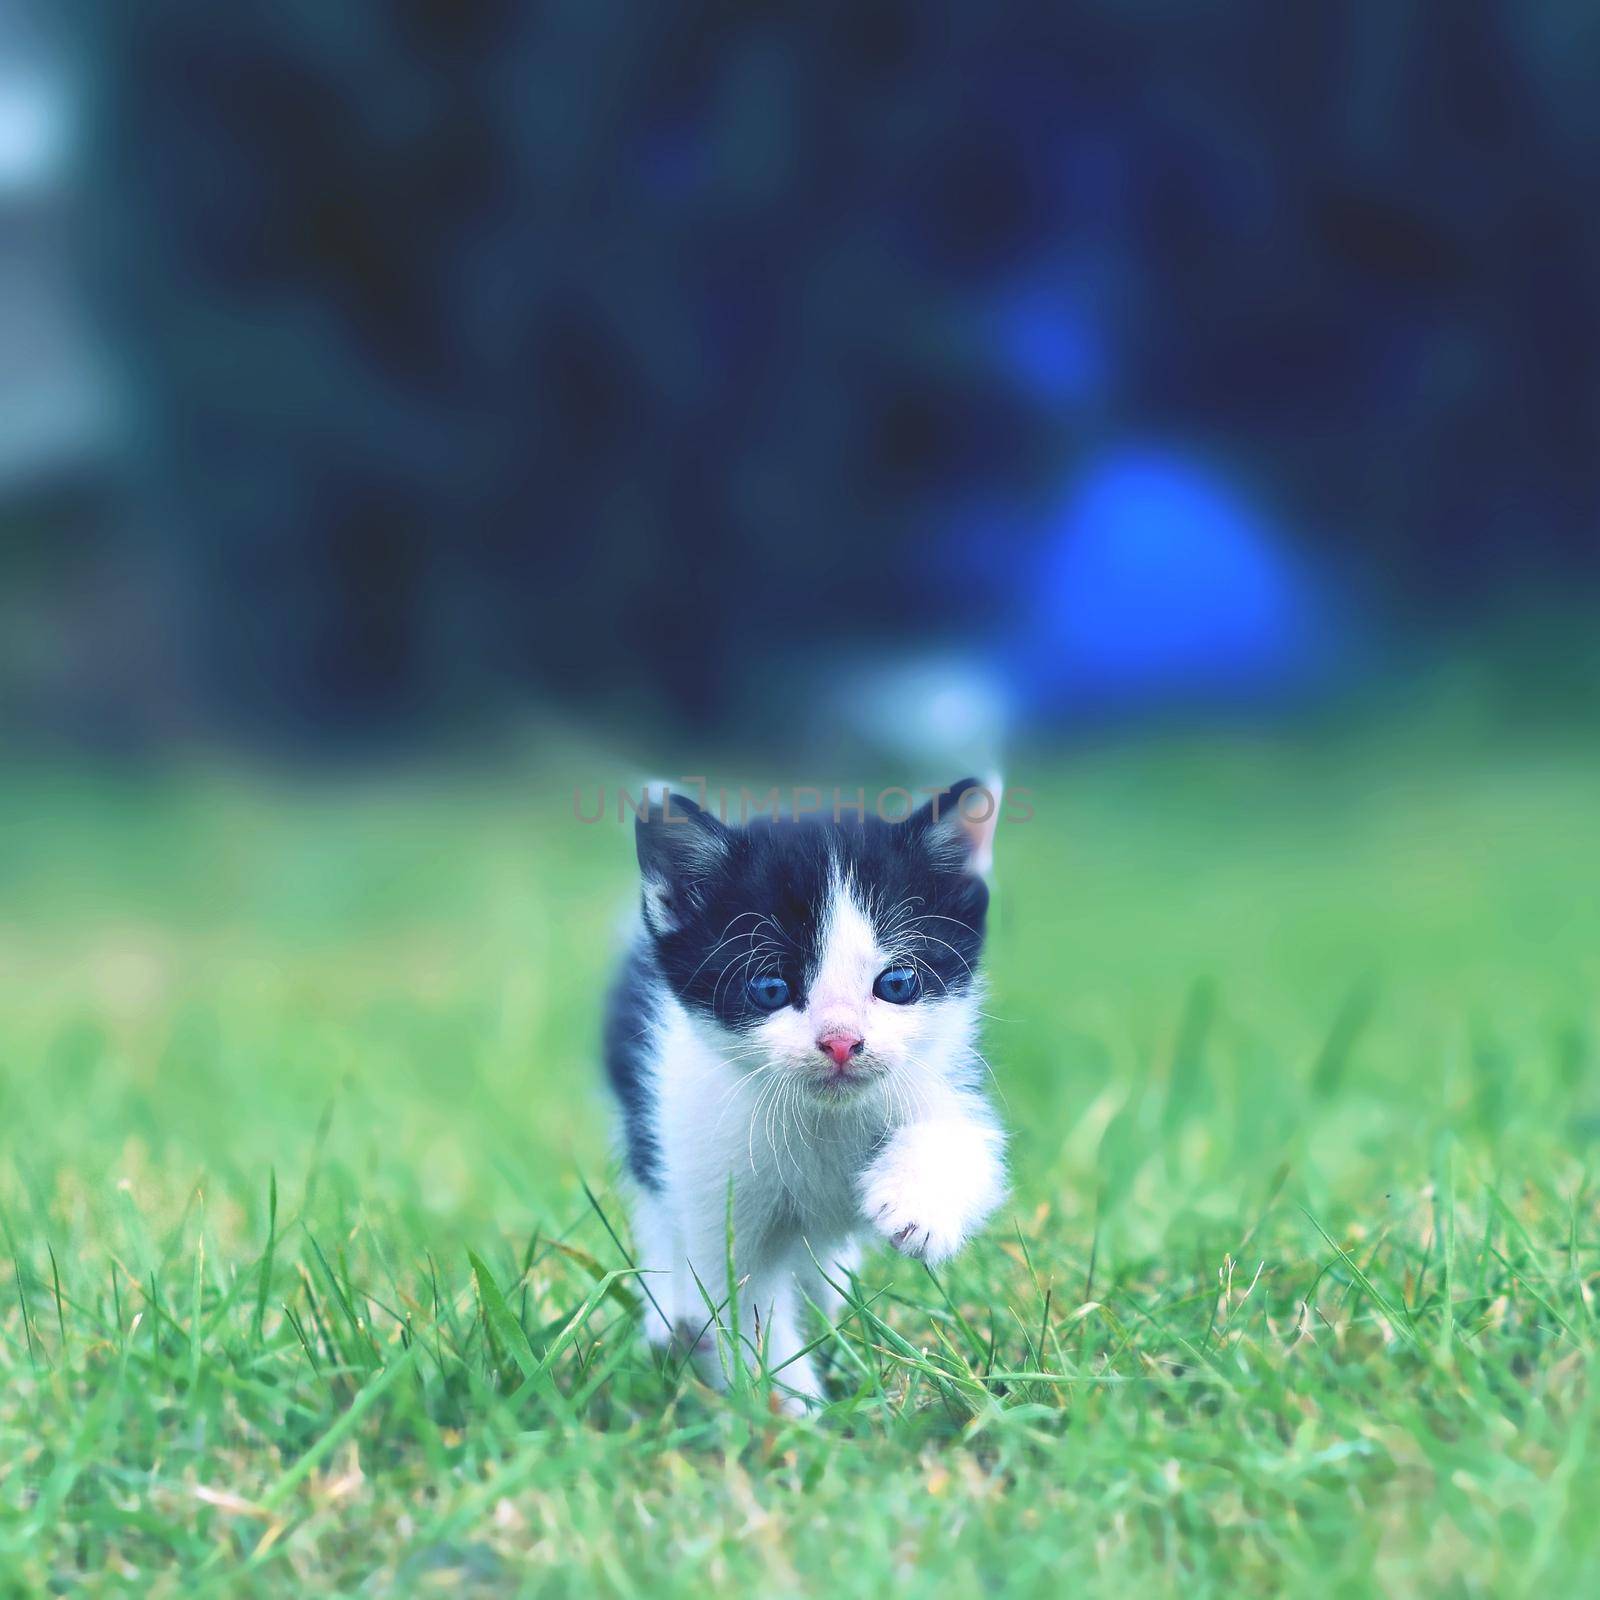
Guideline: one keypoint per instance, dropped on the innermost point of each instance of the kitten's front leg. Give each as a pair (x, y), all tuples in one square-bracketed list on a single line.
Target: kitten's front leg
[(769, 1331), (935, 1182), (656, 1244)]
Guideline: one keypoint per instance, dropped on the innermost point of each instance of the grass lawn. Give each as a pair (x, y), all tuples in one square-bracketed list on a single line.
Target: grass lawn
[(302, 1293)]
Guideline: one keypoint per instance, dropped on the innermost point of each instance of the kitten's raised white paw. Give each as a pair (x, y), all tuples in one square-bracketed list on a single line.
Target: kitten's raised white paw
[(933, 1184), (912, 1221)]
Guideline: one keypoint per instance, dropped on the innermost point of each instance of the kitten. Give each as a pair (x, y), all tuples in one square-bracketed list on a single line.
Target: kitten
[(798, 1015)]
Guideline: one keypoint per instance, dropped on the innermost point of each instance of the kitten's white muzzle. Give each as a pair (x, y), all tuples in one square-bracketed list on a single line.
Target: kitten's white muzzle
[(828, 1079)]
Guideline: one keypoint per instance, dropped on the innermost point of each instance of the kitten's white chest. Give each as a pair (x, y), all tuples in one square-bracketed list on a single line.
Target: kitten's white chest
[(794, 1165)]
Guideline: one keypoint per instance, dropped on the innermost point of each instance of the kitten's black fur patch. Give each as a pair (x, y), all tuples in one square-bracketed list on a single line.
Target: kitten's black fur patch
[(629, 1019), (723, 904)]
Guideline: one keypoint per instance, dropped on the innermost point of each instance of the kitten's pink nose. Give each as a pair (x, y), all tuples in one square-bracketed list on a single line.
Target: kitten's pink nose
[(840, 1045)]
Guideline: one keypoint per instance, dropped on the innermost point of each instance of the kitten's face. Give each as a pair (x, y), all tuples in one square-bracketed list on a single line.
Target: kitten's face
[(843, 953)]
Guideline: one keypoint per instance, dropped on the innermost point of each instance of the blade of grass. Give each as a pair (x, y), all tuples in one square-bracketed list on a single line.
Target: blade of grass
[(1398, 1320), (264, 1276)]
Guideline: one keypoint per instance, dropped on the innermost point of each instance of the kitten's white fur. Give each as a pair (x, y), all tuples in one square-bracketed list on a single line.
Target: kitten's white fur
[(913, 1152)]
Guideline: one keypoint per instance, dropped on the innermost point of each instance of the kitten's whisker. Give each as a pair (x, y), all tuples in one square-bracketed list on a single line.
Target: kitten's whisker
[(743, 968), (929, 938), (934, 916), (722, 941), (793, 1105)]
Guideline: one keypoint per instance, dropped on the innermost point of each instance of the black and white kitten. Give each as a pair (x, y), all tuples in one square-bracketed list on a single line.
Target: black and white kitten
[(798, 1015)]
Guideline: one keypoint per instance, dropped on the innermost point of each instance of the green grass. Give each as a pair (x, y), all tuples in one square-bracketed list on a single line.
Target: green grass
[(1296, 1289)]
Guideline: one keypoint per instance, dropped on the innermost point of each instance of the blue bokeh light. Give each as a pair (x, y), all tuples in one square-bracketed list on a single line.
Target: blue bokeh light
[(1161, 581)]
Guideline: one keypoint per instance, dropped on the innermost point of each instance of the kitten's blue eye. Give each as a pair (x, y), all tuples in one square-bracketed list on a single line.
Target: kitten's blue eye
[(899, 986), (768, 992)]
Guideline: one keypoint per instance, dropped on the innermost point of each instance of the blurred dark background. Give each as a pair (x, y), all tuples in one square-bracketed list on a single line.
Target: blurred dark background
[(371, 371)]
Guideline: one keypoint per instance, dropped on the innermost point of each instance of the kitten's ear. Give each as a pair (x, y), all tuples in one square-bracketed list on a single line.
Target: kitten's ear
[(959, 824), (679, 847)]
